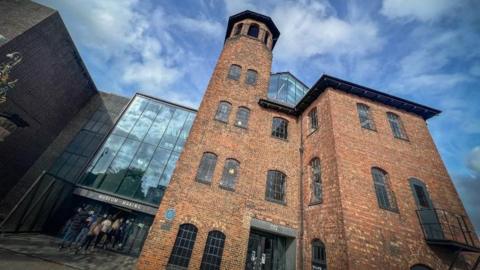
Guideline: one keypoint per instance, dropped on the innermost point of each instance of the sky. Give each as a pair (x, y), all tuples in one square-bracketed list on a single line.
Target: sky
[(426, 51)]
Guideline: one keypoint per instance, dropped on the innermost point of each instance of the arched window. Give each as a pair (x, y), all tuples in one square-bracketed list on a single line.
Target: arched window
[(234, 72), (223, 111), (253, 30), (319, 258), (207, 167), (385, 196), (182, 249), (397, 126), (265, 38), (420, 194), (276, 181), (243, 114), (230, 174), (420, 267), (238, 29), (212, 255), (366, 120), (316, 180), (313, 119), (280, 128), (251, 78)]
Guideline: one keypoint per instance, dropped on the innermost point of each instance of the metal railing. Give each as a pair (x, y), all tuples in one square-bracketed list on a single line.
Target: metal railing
[(441, 226)]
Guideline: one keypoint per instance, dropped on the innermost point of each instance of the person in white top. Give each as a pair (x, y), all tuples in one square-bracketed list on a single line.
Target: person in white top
[(106, 226)]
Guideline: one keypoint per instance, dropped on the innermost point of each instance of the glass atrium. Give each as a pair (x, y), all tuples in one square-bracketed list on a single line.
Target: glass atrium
[(285, 88), (138, 158)]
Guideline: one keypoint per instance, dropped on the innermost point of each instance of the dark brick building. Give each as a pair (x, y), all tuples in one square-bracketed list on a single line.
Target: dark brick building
[(342, 177)]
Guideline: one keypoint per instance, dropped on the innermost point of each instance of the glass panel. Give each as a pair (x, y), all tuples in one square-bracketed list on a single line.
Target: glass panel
[(137, 169), (119, 166), (182, 249), (158, 128), (173, 130), (185, 131)]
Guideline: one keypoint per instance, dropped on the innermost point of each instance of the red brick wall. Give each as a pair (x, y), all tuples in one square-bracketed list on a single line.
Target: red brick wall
[(211, 207), (375, 237), (356, 232)]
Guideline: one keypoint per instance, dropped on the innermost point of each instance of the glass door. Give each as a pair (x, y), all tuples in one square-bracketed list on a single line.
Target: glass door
[(265, 252), (426, 212)]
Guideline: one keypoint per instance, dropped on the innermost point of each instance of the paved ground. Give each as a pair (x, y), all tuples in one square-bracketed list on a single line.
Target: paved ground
[(36, 251)]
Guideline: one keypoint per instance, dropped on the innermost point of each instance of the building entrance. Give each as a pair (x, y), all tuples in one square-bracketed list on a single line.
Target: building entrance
[(265, 251), (132, 231)]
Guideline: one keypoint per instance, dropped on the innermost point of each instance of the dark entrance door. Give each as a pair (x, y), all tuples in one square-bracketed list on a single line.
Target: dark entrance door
[(426, 212), (265, 252)]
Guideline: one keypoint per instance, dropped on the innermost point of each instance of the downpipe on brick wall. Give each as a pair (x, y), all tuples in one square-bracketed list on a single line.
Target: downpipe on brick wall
[(300, 243)]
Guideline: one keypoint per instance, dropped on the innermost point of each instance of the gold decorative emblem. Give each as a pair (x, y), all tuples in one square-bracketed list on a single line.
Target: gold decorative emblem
[(5, 68)]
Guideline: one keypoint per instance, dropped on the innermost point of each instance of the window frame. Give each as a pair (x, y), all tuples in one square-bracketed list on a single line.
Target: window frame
[(253, 26), (218, 113), (248, 75), (383, 190), (396, 125), (365, 117), (319, 262), (210, 170), (225, 182), (232, 72), (237, 120), (316, 198), (265, 38), (213, 251), (238, 29), (270, 189), (183, 245), (282, 134), (313, 119)]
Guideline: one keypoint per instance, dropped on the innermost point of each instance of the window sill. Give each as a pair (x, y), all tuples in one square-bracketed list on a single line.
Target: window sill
[(402, 139), (391, 210), (281, 139), (312, 203), (311, 131), (275, 201), (226, 188), (370, 129), (242, 127), (221, 121), (203, 182)]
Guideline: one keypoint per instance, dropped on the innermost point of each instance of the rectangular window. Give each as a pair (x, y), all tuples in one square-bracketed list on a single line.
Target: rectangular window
[(397, 126), (366, 120), (312, 117), (280, 128), (276, 186)]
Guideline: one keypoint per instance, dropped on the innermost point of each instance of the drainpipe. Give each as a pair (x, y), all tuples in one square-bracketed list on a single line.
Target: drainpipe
[(300, 243)]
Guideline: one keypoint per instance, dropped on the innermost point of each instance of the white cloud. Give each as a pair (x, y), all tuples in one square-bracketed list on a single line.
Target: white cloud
[(423, 10), (309, 29), (236, 6), (132, 46), (473, 160)]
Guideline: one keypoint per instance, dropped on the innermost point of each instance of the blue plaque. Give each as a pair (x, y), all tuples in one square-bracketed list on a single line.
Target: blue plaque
[(170, 214)]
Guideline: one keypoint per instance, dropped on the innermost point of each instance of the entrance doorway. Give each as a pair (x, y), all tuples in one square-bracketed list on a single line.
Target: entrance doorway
[(135, 225), (265, 251)]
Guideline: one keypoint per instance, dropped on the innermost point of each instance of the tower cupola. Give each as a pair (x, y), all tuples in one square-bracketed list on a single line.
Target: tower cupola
[(255, 25)]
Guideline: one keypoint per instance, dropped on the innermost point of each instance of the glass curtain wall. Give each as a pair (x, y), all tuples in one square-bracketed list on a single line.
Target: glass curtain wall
[(286, 89), (138, 157)]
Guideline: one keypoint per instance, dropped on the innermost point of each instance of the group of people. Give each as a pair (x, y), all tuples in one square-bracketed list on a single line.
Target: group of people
[(85, 228)]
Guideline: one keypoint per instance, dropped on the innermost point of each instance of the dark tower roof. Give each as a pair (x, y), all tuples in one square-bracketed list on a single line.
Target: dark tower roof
[(247, 14)]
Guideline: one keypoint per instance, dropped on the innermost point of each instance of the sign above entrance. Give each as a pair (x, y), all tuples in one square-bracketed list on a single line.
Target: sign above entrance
[(115, 201)]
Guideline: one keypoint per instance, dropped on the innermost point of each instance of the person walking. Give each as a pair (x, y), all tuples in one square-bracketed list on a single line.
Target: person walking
[(85, 229), (93, 232), (115, 234), (105, 229), (74, 228)]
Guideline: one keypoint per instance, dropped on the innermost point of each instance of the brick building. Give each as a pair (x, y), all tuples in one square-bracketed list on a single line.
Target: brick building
[(271, 174), (276, 176)]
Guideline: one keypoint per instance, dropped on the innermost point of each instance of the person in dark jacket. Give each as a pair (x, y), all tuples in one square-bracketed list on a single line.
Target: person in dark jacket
[(76, 225)]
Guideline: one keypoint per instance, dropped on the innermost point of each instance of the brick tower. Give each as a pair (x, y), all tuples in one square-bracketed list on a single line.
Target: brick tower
[(275, 177), (240, 79)]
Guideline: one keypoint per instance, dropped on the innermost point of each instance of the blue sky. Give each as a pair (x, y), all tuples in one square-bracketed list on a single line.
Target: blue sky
[(425, 51)]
